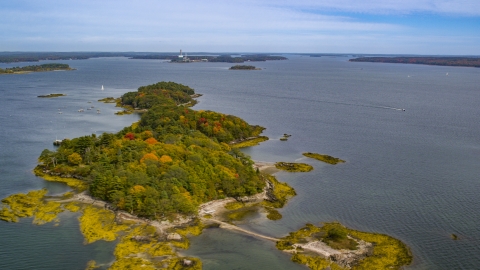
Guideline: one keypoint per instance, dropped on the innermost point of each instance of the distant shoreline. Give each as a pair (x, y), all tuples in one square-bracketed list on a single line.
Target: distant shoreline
[(435, 61)]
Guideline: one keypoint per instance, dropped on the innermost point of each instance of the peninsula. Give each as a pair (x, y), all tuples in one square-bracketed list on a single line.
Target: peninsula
[(164, 179)]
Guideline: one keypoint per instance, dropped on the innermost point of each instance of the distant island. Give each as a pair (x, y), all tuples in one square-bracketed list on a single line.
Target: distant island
[(14, 57), (437, 61), (244, 67), (36, 68), (51, 95), (220, 58)]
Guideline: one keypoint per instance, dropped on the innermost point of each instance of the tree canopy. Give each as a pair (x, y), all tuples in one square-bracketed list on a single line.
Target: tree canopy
[(172, 160)]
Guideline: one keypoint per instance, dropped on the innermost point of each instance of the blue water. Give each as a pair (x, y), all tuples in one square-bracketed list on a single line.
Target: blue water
[(411, 174)]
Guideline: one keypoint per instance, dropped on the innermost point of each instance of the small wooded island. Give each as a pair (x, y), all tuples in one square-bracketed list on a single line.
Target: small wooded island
[(51, 96), (35, 68), (437, 61), (325, 158), (168, 176), (244, 67)]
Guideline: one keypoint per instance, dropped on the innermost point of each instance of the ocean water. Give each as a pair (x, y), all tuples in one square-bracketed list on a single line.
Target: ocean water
[(412, 174)]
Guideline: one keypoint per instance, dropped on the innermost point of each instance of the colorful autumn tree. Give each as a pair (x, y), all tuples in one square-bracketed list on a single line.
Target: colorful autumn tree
[(149, 156), (75, 159), (165, 159), (151, 141), (130, 136)]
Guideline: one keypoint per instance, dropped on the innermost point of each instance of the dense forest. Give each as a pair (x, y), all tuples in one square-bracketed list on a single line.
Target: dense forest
[(36, 68), (243, 67), (438, 61), (172, 160)]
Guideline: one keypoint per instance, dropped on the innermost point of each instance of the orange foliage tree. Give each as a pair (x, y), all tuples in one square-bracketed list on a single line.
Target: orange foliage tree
[(151, 141), (149, 156), (165, 159)]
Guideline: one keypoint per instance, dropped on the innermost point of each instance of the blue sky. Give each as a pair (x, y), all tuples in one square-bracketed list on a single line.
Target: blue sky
[(438, 27)]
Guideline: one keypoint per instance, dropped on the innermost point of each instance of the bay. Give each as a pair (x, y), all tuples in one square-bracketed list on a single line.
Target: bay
[(410, 174)]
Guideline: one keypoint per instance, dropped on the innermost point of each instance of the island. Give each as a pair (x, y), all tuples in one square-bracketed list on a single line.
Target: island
[(51, 95), (293, 167), (210, 58), (244, 67), (108, 100), (163, 179), (325, 158), (333, 246), (437, 61), (36, 68)]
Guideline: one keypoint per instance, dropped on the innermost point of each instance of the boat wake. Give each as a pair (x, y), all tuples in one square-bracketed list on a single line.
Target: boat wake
[(336, 102)]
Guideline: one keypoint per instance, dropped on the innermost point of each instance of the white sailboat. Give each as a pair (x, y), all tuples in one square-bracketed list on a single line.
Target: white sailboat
[(102, 87)]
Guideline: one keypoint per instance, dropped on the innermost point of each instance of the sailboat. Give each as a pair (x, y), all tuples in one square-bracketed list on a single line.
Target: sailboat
[(102, 87)]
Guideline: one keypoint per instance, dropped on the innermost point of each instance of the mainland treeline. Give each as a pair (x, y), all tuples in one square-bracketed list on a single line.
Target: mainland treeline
[(172, 160), (438, 61), (245, 58), (36, 68), (12, 57)]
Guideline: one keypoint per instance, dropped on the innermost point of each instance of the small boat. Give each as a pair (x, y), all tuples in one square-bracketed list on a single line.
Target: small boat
[(81, 110), (98, 111), (102, 87)]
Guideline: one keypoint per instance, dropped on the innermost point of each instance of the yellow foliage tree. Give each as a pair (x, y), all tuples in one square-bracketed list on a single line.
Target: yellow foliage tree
[(75, 159), (137, 189)]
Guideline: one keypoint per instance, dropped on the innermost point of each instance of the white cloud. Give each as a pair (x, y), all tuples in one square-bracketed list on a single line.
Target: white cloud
[(213, 25), (450, 7)]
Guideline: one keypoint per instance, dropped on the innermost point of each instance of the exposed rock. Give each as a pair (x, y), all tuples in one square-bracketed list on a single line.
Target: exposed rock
[(344, 257), (186, 262), (174, 236), (269, 196)]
